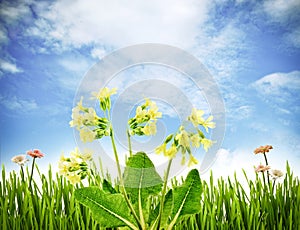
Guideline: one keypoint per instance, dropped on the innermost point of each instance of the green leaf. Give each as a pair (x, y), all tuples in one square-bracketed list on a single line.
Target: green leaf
[(141, 178), (110, 210), (107, 187), (186, 197)]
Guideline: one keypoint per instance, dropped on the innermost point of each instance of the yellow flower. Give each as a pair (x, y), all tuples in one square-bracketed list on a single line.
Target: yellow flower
[(153, 110), (183, 138), (161, 149), (74, 178), (86, 155), (171, 152), (140, 114), (195, 139), (196, 117), (149, 129), (192, 160), (206, 143), (104, 93), (86, 135), (77, 118), (208, 123)]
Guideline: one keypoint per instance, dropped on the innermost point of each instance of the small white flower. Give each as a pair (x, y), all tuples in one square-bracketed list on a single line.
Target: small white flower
[(19, 159)]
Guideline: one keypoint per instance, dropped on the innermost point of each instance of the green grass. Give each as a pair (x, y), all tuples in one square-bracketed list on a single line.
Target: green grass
[(225, 203)]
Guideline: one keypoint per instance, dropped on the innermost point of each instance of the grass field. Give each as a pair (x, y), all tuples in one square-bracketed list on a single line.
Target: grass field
[(225, 204)]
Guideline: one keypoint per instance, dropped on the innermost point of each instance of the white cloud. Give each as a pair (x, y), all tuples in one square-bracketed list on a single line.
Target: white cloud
[(294, 38), (9, 67), (279, 84), (17, 104), (121, 24), (281, 10)]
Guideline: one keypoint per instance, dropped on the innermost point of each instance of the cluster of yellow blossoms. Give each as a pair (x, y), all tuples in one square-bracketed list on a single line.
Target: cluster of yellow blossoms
[(75, 168), (144, 121), (183, 140), (89, 125)]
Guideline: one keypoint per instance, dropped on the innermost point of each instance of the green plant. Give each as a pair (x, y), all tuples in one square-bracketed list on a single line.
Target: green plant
[(140, 183)]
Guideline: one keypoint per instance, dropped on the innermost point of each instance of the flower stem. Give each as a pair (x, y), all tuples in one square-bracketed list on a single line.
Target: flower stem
[(164, 193), (129, 143), (33, 162), (22, 173), (266, 160), (121, 179)]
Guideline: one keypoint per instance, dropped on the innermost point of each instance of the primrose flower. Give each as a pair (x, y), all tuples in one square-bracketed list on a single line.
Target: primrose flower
[(195, 139), (75, 167), (196, 117), (275, 174), (183, 138), (262, 168), (192, 160), (19, 159), (87, 135), (35, 153), (144, 121), (263, 149), (171, 152), (161, 148), (208, 123), (206, 143), (104, 97)]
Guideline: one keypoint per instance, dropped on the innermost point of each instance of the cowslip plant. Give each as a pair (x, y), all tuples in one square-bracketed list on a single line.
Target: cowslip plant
[(142, 200)]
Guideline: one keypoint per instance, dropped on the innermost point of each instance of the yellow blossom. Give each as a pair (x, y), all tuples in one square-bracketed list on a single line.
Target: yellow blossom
[(196, 117), (149, 129), (74, 178), (206, 143), (161, 149), (140, 114), (183, 138), (208, 123), (195, 139), (192, 160), (104, 93), (171, 152), (86, 135)]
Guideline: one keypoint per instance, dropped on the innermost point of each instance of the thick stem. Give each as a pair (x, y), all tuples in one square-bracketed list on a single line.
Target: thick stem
[(33, 162), (266, 160), (163, 193), (129, 143), (121, 179)]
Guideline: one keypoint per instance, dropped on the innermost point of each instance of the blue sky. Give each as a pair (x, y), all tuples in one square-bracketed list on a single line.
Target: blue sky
[(251, 48)]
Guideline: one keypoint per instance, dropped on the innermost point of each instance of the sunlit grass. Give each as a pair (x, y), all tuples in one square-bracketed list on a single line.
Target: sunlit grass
[(225, 203)]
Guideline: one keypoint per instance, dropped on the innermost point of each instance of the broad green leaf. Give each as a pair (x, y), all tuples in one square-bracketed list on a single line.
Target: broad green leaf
[(141, 178), (186, 197), (110, 210)]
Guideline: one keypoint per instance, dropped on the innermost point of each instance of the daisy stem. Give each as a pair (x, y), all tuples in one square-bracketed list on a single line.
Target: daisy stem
[(267, 170), (22, 173), (33, 162)]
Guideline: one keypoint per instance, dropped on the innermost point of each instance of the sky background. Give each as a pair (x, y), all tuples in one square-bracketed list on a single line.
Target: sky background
[(251, 48)]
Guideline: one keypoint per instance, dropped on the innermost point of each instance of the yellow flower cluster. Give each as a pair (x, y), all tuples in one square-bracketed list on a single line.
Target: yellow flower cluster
[(184, 140), (144, 121), (75, 167), (89, 125)]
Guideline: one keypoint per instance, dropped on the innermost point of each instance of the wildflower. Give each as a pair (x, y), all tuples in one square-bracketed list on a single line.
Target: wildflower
[(208, 123), (171, 152), (19, 159), (35, 153), (75, 167), (263, 149), (183, 138), (275, 173), (195, 139), (262, 168), (161, 148), (87, 135), (206, 143), (192, 160), (104, 97), (149, 128), (196, 117)]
